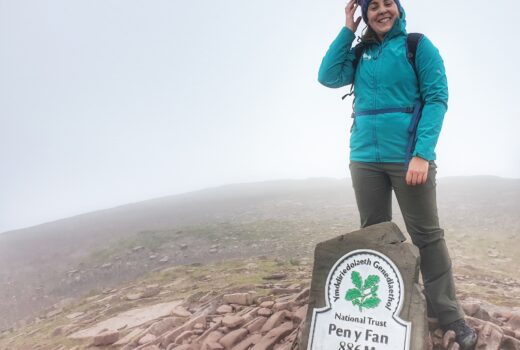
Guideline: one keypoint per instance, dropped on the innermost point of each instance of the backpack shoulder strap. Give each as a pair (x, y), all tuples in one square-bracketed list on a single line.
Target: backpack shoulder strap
[(358, 51), (412, 41)]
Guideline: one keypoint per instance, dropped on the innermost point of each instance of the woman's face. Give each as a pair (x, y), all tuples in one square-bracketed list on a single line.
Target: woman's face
[(381, 16)]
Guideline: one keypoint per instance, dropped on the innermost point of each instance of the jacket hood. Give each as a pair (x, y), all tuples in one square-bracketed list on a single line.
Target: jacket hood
[(401, 21)]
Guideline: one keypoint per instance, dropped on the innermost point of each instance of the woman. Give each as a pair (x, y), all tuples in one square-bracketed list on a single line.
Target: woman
[(385, 85)]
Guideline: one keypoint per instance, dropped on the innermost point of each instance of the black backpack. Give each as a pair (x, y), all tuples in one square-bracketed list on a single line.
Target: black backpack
[(412, 41)]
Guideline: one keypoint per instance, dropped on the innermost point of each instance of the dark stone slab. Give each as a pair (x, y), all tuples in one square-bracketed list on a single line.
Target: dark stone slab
[(387, 239)]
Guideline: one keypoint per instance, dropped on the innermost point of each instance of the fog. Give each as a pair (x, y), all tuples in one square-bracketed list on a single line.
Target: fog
[(108, 102)]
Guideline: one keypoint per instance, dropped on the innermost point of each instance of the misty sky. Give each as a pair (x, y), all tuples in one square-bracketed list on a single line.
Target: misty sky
[(108, 102)]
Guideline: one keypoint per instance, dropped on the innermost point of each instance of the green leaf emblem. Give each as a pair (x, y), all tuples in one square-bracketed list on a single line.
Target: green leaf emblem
[(371, 302), (356, 279), (353, 294), (371, 281), (365, 294)]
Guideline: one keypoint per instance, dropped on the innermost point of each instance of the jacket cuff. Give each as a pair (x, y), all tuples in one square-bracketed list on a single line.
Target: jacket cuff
[(423, 155)]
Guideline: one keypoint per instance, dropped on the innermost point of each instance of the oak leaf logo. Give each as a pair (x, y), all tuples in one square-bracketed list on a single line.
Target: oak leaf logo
[(365, 293)]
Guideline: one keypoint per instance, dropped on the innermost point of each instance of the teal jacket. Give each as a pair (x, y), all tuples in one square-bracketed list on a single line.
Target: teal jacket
[(384, 78)]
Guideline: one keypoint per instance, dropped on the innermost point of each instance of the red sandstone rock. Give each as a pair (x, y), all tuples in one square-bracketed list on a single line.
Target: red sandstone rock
[(211, 340), (215, 346), (256, 324), (169, 337), (232, 321), (265, 298), (146, 339), (508, 332), (251, 314), (275, 320), (224, 309), (273, 336), (470, 308), (436, 337), (514, 322), (180, 347), (105, 338), (504, 315), (482, 314), (286, 305), (65, 329), (475, 322), (183, 336), (510, 343), (204, 335), (238, 298), (489, 337), (280, 291), (181, 312), (162, 326), (438, 333), (454, 346), (300, 314), (248, 342), (233, 337), (302, 295), (264, 312), (267, 304), (151, 347), (448, 339)]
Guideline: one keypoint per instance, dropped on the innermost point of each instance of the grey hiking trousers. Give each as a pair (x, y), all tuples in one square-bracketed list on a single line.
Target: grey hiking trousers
[(373, 184)]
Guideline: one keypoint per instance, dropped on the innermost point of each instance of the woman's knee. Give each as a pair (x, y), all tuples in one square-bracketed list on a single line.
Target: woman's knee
[(425, 237)]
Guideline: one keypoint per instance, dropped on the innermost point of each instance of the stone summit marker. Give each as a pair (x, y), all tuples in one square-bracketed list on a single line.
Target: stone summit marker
[(365, 293)]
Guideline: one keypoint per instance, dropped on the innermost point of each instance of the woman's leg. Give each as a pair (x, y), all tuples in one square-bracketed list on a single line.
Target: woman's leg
[(419, 208), (373, 191)]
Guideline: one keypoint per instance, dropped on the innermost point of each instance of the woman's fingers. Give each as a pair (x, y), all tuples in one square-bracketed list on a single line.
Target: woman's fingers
[(425, 177), (417, 173), (354, 8), (416, 177), (358, 20), (350, 9)]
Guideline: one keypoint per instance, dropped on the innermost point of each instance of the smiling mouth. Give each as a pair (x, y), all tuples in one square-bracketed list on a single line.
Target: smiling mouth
[(384, 20)]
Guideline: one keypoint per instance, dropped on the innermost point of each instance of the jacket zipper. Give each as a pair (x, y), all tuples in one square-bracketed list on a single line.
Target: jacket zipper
[(376, 68)]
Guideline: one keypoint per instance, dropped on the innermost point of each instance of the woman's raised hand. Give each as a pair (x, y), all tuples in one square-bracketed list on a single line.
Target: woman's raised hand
[(350, 9)]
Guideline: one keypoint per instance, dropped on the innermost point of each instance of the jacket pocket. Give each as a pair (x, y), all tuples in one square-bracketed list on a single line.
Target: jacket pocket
[(361, 138), (392, 135)]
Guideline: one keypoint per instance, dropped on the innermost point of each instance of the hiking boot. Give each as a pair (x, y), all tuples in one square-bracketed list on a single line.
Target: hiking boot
[(465, 336)]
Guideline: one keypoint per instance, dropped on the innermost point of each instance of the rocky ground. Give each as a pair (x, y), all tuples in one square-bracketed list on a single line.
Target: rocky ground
[(53, 262), (497, 331), (169, 263), (256, 303)]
